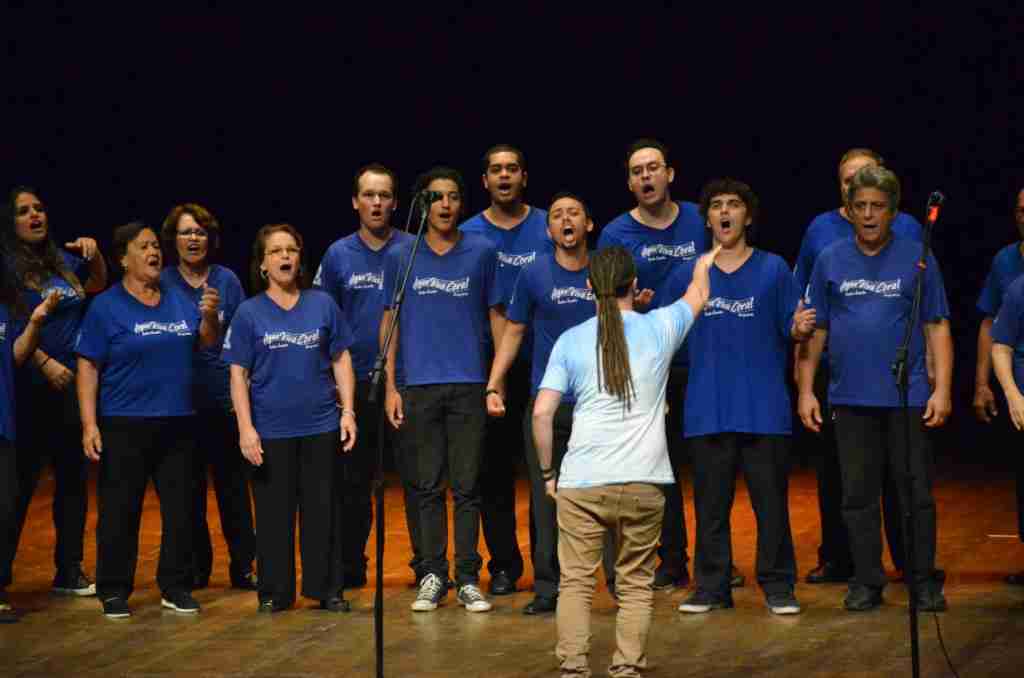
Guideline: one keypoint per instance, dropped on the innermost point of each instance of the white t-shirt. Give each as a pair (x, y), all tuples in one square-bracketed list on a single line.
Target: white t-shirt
[(610, 445)]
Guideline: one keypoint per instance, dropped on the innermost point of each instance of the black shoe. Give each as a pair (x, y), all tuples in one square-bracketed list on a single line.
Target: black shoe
[(270, 606), (180, 601), (736, 579), (335, 604), (664, 580), (701, 601), (355, 580), (860, 598), (116, 607), (502, 584), (7, 613), (829, 573), (938, 576), (541, 605), (246, 581), (930, 598), (73, 582)]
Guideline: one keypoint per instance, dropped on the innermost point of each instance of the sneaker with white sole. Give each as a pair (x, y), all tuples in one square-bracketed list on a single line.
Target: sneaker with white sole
[(116, 607), (473, 598), (432, 592), (700, 601), (783, 603), (180, 601), (73, 582)]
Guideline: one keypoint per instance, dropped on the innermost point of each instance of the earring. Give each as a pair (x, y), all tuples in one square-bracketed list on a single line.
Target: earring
[(263, 273)]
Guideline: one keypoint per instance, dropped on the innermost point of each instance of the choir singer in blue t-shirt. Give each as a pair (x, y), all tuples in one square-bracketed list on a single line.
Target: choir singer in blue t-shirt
[(136, 349), (288, 348), (862, 291)]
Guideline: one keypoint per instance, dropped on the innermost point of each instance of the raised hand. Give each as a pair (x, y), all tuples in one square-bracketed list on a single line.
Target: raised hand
[(804, 322), (41, 312), (210, 302), (643, 298), (85, 246)]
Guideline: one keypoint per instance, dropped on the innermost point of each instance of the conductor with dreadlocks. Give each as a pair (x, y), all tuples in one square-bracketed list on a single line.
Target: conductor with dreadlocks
[(617, 455)]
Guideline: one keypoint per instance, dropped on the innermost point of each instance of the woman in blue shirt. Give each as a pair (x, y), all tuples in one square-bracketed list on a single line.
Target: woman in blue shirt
[(193, 233), (290, 366), (135, 361), (14, 349), (49, 412)]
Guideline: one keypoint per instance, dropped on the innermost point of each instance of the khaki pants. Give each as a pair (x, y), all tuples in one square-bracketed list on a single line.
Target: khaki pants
[(633, 513)]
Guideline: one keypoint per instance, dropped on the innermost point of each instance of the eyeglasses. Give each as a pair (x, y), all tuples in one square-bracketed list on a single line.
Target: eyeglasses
[(651, 167), (279, 251), (193, 232)]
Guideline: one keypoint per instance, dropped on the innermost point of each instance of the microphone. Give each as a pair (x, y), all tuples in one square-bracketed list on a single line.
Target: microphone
[(935, 201), (429, 197)]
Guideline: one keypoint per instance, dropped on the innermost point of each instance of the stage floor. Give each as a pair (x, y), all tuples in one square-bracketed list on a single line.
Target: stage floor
[(983, 630)]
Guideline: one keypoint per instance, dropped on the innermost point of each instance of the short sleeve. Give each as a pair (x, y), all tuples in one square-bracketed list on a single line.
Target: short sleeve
[(522, 303), (1006, 327), (239, 346), (391, 273), (94, 335), (934, 306), (340, 333), (787, 297), (234, 295), (557, 375), (607, 238), (327, 278), (675, 320), (804, 263), (493, 292), (817, 291)]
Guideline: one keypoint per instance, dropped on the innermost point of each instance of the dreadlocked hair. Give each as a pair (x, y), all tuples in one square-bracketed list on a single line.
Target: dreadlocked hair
[(612, 272)]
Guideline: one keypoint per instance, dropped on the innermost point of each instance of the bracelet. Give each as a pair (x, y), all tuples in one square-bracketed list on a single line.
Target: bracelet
[(548, 473), (351, 413), (494, 391), (48, 358)]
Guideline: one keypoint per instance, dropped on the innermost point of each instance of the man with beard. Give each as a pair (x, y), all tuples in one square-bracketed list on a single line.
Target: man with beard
[(352, 272), (661, 233), (518, 232)]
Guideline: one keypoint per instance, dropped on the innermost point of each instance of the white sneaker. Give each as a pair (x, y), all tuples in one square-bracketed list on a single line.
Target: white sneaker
[(474, 600), (432, 591)]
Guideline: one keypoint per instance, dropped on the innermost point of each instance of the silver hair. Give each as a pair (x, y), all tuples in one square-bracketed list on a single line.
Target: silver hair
[(875, 176)]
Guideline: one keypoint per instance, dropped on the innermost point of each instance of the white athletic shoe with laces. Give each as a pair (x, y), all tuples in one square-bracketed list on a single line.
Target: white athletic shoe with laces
[(432, 592), (473, 599)]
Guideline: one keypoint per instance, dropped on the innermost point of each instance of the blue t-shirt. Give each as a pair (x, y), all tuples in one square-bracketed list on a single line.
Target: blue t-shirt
[(1007, 266), (58, 335), (864, 303), (211, 389), (658, 251), (288, 355), (353, 274), (10, 330), (145, 354), (550, 299), (738, 349), (514, 247), (445, 317), (1008, 327), (610, 444), (830, 226)]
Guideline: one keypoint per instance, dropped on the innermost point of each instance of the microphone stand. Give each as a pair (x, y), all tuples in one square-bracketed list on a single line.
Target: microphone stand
[(909, 508), (376, 377)]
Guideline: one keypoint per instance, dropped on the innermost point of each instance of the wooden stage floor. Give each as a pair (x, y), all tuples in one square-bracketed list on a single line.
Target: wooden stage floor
[(983, 630)]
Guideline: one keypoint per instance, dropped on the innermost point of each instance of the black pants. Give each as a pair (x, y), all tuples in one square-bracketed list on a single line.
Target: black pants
[(49, 431), (406, 458), (353, 482), (297, 473), (136, 449), (765, 463), (504, 447), (445, 423), (8, 510), (218, 450), (872, 448), (672, 550), (835, 542)]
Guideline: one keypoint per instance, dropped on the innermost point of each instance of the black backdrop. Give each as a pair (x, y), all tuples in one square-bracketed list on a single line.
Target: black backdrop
[(265, 115)]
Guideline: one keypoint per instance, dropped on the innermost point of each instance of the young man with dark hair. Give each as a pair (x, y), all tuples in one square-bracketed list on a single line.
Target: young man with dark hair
[(738, 413), (441, 412), (661, 234), (835, 561), (519, 234), (352, 272)]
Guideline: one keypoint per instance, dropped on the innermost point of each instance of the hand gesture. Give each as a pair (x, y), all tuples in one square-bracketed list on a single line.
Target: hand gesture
[(41, 312), (393, 408), (348, 431), (810, 412), (84, 246), (496, 402), (252, 448), (92, 442), (209, 302), (985, 403), (642, 299), (57, 376), (804, 320), (702, 271)]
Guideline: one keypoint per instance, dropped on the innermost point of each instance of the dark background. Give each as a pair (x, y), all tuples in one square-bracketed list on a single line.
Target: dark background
[(265, 115)]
